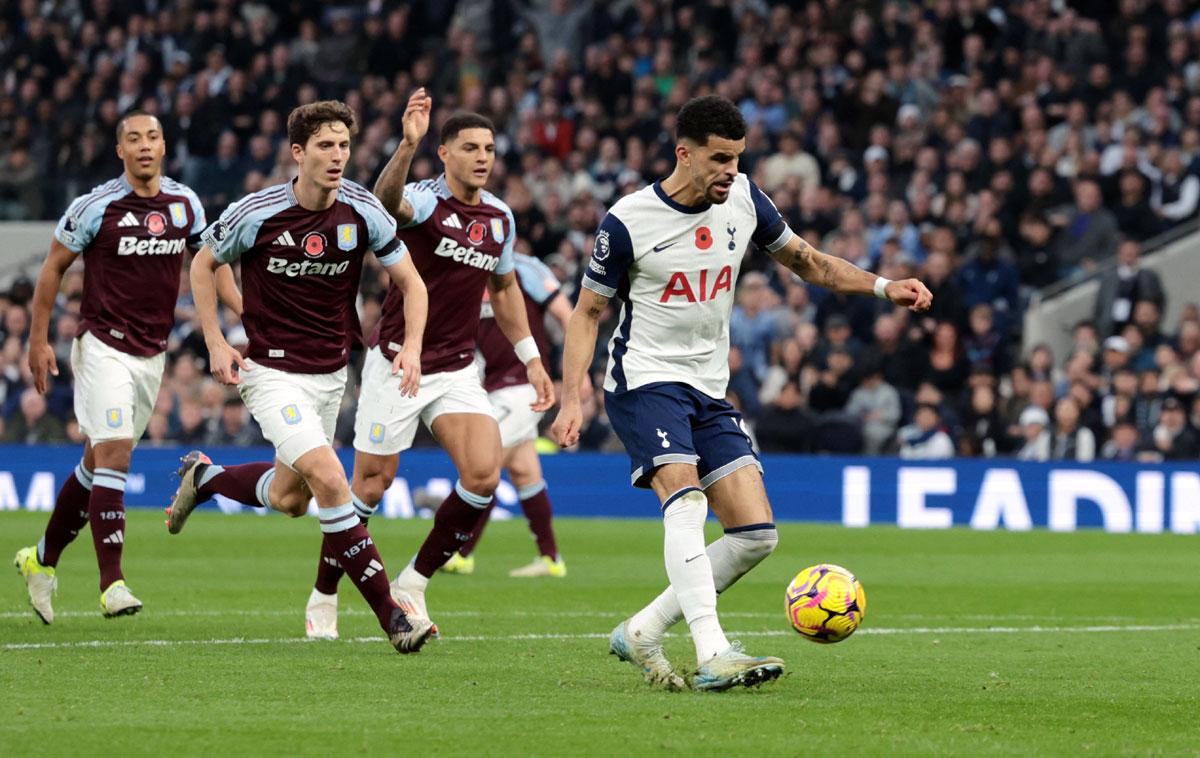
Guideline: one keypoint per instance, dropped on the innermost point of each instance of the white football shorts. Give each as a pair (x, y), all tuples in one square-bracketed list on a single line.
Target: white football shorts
[(297, 412), (386, 422), (518, 422), (114, 391)]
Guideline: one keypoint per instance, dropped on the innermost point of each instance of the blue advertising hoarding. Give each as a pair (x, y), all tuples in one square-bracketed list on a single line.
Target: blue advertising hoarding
[(982, 494)]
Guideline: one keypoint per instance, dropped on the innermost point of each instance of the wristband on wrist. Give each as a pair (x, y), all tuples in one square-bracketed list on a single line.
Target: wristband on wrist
[(881, 287), (527, 350)]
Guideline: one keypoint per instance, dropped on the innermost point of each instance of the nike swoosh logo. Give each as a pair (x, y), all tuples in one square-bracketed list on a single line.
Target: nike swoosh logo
[(660, 248), (694, 557)]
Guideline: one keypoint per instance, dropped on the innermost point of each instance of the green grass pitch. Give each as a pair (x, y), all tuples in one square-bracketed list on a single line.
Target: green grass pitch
[(992, 643)]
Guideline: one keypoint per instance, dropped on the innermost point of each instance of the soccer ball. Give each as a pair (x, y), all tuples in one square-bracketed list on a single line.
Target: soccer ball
[(825, 603)]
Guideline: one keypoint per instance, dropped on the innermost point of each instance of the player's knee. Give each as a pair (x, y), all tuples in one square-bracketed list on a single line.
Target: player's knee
[(481, 480), (112, 455), (328, 483), (370, 489), (293, 504)]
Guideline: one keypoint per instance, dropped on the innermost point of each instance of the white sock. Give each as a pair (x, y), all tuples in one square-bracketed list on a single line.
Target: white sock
[(411, 579), (731, 557), (689, 569)]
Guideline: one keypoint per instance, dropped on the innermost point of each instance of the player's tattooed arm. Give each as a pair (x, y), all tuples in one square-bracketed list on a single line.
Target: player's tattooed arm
[(389, 188), (578, 350), (41, 354), (844, 277)]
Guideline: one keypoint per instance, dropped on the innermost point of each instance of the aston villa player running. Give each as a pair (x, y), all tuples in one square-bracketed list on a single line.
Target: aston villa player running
[(301, 246), (461, 238), (132, 233)]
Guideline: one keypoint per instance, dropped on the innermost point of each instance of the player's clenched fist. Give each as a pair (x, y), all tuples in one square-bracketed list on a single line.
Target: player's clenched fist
[(910, 293), (416, 116)]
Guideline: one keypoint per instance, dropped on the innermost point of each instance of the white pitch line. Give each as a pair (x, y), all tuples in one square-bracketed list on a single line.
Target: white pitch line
[(944, 630)]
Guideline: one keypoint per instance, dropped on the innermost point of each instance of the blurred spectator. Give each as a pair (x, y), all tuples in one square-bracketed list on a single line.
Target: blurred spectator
[(876, 404), (925, 439), (1071, 442), (1123, 286), (786, 425), (1124, 444), (1089, 231), (1035, 437), (31, 424), (1174, 438)]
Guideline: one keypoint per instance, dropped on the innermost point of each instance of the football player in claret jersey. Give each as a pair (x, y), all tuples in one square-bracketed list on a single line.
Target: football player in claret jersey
[(671, 253), (461, 239), (301, 247), (511, 395), (132, 233)]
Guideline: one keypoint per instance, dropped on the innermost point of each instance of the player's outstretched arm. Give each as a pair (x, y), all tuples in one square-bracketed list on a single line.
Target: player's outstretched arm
[(842, 276), (578, 350), (41, 355), (560, 309), (416, 310), (389, 188), (223, 360), (508, 305)]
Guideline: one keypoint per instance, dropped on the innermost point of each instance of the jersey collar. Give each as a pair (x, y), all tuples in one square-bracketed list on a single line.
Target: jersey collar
[(662, 195)]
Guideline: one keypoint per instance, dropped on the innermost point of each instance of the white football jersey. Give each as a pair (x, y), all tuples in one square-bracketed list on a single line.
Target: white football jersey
[(674, 268)]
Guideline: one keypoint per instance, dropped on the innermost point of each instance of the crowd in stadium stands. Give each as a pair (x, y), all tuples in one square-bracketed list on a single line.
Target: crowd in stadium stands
[(988, 148)]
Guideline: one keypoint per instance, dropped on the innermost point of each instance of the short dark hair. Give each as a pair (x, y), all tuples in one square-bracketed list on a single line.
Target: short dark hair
[(306, 120), (133, 114), (710, 115), (465, 120)]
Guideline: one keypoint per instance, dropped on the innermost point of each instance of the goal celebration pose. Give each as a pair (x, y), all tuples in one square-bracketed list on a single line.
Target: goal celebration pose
[(301, 246), (461, 240), (671, 253), (132, 233)]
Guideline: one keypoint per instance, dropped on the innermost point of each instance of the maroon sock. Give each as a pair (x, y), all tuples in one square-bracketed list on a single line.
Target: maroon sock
[(453, 524), (239, 483), (329, 570), (356, 552), (106, 512), (539, 514), (69, 517), (468, 547)]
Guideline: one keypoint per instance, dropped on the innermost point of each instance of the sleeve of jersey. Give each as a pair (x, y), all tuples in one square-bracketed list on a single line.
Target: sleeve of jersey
[(233, 233), (79, 224), (771, 232), (200, 223), (422, 199), (611, 257), (537, 279), (381, 232), (507, 261)]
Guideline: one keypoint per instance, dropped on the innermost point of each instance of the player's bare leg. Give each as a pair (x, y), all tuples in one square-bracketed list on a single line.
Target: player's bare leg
[(372, 476), (525, 470), (356, 553), (473, 442), (37, 564)]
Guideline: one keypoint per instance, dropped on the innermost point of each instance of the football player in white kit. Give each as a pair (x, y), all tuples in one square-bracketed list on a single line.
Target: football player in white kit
[(671, 253)]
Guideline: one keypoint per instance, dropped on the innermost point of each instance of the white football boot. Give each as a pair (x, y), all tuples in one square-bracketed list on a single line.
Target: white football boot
[(117, 600), (320, 616), (647, 656), (39, 580), (732, 667)]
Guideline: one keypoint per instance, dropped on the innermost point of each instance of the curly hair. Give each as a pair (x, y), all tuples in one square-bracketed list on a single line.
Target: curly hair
[(710, 115), (464, 120), (306, 120)]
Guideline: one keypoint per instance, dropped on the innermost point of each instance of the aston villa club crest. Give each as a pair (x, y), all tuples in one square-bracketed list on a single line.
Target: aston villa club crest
[(178, 214), (314, 244), (291, 414), (377, 432), (115, 418), (347, 236), (475, 232), (498, 230), (156, 223)]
